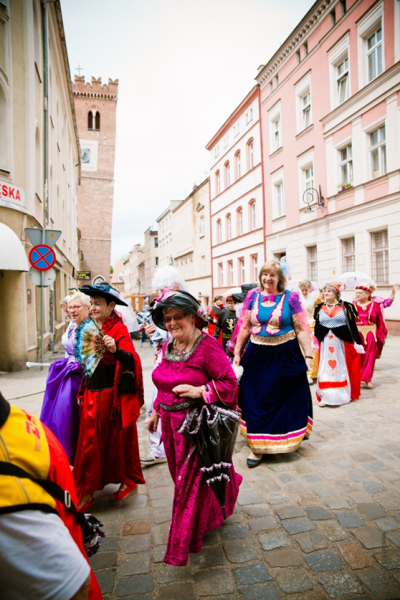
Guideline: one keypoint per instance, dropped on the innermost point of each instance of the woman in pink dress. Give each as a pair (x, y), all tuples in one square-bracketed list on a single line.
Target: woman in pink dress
[(194, 370), (371, 325)]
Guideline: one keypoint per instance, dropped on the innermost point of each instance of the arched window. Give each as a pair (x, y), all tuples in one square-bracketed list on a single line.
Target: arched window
[(3, 131), (227, 174), (219, 231), (229, 226), (97, 120), (94, 120), (238, 165), (250, 154), (217, 183), (90, 120), (253, 214), (240, 221)]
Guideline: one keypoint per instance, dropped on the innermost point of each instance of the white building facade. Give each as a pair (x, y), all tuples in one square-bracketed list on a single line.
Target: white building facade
[(236, 198)]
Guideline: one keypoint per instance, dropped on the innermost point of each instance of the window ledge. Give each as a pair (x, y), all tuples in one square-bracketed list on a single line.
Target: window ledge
[(276, 151), (306, 130), (5, 171), (280, 218), (343, 189), (201, 235)]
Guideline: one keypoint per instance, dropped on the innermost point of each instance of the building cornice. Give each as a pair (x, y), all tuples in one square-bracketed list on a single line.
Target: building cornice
[(228, 123), (95, 96), (196, 189)]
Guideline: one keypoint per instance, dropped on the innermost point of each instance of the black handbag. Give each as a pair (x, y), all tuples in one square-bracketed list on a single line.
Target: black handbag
[(127, 383)]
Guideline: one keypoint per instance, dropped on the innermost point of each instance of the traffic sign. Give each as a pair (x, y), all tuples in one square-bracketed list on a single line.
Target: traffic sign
[(42, 257), (35, 236), (42, 278)]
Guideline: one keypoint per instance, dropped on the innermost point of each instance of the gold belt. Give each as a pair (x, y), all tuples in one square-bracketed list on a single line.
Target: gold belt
[(273, 341), (365, 329)]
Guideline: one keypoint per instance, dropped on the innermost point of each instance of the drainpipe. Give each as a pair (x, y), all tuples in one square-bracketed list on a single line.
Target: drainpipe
[(262, 174), (46, 168)]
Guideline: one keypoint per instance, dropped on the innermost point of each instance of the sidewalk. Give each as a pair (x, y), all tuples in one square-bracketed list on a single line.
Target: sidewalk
[(319, 523)]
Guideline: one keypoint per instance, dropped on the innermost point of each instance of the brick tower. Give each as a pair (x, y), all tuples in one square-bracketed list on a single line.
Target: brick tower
[(95, 107)]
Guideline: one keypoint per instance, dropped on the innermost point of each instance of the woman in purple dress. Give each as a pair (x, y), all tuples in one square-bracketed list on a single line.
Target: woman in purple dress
[(60, 410), (193, 370)]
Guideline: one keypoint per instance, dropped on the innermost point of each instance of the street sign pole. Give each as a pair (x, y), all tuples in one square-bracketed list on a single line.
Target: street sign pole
[(42, 309)]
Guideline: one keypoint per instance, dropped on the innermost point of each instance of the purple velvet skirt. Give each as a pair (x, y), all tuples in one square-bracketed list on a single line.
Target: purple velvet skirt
[(60, 410)]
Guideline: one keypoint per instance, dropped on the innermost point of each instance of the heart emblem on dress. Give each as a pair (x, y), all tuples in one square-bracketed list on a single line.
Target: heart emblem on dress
[(332, 363), (331, 349), (330, 336)]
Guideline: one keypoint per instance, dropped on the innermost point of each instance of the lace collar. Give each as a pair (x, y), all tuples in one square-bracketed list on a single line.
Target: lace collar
[(169, 355)]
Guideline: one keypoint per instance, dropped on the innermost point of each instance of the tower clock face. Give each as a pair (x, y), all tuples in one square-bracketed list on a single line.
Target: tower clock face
[(85, 155)]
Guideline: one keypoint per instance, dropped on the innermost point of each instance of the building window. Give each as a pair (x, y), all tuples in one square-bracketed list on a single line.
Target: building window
[(277, 133), (309, 178), (249, 116), (374, 54), (216, 151), (240, 221), (93, 120), (253, 219), (238, 166), (221, 274), (156, 261), (228, 227), (333, 17), (218, 182), (348, 255), (227, 174), (343, 80), (279, 208), (236, 130), (3, 130), (343, 7), (202, 226), (250, 147), (380, 256), (312, 263), (242, 272), (226, 141), (219, 231), (203, 265), (306, 109), (156, 242), (255, 267), (230, 272), (377, 148), (346, 166)]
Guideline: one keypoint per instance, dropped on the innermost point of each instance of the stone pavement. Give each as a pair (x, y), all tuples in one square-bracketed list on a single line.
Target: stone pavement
[(319, 523)]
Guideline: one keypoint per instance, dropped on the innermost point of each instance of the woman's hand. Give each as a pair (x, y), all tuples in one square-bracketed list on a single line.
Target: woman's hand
[(188, 391), (309, 363), (236, 360), (110, 344), (152, 423), (150, 329)]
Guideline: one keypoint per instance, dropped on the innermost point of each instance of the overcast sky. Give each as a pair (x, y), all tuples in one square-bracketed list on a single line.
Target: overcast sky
[(183, 66)]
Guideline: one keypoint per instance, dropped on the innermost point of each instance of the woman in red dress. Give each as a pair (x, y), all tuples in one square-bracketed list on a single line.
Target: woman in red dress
[(371, 325), (108, 449)]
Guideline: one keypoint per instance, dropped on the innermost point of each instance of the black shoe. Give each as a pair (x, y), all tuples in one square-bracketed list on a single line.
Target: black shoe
[(251, 463)]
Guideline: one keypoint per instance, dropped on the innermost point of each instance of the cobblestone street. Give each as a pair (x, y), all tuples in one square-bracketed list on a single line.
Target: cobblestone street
[(319, 523)]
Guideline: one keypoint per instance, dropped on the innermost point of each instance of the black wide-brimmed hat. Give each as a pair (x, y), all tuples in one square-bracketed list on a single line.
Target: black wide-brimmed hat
[(105, 290), (246, 287), (176, 299)]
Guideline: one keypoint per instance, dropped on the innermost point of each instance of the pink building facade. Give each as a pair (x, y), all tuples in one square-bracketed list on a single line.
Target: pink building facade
[(236, 197), (330, 122)]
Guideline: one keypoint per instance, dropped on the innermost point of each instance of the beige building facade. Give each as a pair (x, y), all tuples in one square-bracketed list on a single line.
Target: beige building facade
[(191, 241), (132, 283), (151, 259), (165, 231), (24, 178)]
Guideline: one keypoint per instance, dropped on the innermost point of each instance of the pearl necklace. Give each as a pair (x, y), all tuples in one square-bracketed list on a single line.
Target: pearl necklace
[(330, 307)]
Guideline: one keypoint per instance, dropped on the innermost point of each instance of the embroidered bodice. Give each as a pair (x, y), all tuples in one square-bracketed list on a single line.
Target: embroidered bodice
[(274, 320), (181, 357)]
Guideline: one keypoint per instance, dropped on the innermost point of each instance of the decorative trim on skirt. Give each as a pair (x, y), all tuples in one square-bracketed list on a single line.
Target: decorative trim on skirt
[(267, 443)]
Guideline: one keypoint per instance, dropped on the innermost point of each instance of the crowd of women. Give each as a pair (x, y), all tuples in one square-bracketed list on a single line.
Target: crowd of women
[(276, 341)]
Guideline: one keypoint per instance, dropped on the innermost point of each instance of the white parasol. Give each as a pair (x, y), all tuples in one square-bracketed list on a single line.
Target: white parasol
[(236, 290), (353, 278)]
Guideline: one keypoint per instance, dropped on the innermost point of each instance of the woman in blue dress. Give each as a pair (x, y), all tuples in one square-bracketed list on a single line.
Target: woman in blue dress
[(274, 393)]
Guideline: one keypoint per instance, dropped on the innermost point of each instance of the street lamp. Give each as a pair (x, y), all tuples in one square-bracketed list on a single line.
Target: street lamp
[(308, 198)]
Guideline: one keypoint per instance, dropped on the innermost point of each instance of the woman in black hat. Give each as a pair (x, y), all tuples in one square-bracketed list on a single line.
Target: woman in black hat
[(194, 370), (108, 449)]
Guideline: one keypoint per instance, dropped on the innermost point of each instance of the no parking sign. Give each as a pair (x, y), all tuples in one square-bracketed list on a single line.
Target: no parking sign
[(42, 257)]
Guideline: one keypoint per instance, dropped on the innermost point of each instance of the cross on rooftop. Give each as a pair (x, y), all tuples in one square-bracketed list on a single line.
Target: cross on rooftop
[(79, 69)]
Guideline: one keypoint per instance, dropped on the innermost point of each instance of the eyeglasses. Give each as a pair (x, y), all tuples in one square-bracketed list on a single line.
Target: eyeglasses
[(176, 318), (75, 307)]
